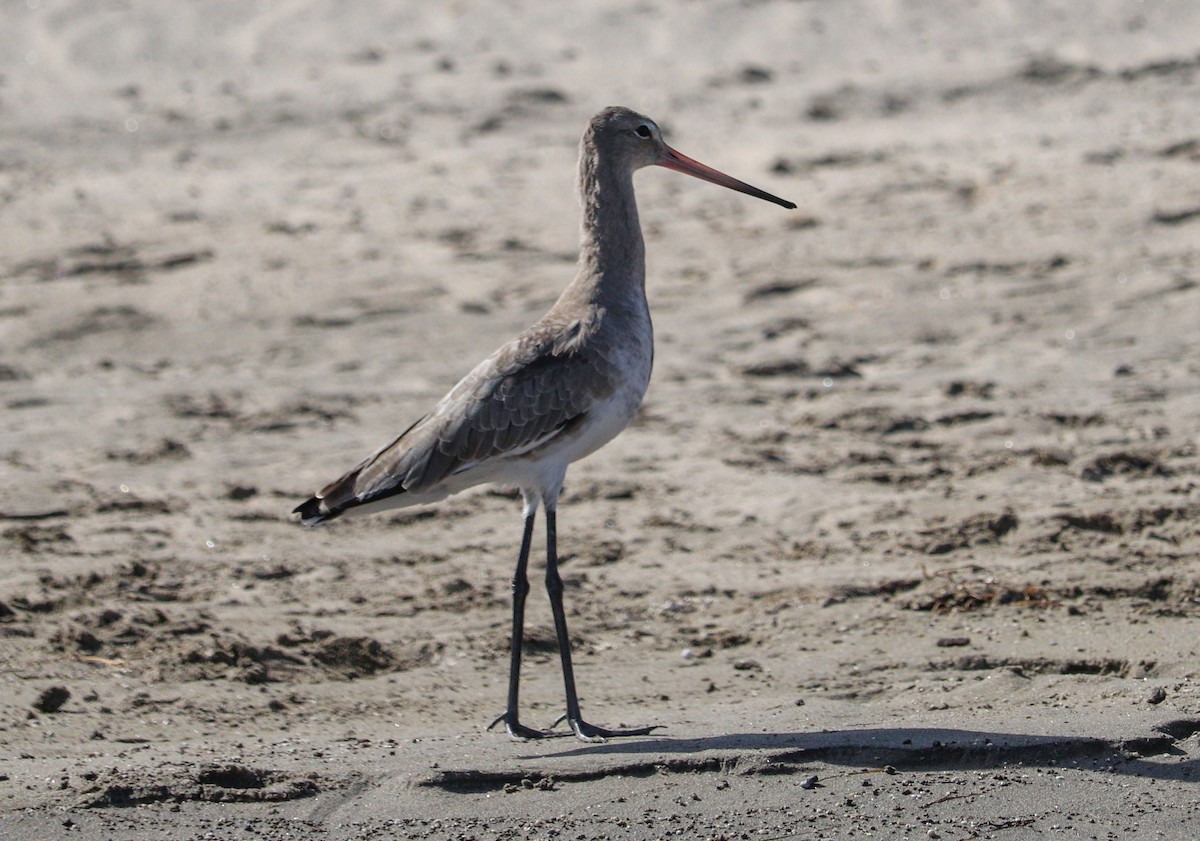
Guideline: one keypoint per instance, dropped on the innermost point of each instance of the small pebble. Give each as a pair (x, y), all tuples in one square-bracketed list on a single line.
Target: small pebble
[(809, 782), (1157, 696), (953, 642), (51, 699)]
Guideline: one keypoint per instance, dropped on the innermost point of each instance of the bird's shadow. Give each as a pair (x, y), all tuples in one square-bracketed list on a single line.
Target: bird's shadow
[(903, 749)]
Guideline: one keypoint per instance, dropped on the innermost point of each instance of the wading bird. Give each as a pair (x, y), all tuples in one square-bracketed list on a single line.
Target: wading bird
[(556, 393)]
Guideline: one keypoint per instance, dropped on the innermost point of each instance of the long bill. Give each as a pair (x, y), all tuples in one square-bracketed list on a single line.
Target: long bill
[(682, 163)]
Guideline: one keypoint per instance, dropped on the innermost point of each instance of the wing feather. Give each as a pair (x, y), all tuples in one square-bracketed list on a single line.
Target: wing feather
[(519, 398)]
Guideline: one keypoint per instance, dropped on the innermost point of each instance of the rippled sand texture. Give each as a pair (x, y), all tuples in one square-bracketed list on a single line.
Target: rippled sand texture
[(914, 489)]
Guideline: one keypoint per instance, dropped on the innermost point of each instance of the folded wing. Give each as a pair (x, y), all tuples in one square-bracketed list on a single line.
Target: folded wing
[(519, 399)]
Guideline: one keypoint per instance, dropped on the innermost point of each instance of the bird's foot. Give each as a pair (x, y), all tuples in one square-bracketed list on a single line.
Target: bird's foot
[(591, 733), (517, 730)]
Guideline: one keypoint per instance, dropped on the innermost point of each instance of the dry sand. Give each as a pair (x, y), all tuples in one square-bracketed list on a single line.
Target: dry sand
[(914, 489)]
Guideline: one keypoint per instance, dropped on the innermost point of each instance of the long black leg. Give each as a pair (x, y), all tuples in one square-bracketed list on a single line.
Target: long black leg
[(554, 586), (520, 589)]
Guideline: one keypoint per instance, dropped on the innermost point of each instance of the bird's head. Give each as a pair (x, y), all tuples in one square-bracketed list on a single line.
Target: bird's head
[(621, 138)]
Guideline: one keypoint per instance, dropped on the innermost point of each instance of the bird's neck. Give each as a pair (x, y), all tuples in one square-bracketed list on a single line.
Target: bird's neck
[(612, 252)]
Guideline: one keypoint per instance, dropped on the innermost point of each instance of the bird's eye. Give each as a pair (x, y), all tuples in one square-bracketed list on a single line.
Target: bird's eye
[(643, 132)]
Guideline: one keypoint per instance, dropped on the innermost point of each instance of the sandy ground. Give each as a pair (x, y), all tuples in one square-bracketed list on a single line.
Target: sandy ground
[(904, 542)]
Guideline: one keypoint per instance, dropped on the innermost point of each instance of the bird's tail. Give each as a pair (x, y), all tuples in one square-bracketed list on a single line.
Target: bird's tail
[(314, 512), (342, 495), (345, 492)]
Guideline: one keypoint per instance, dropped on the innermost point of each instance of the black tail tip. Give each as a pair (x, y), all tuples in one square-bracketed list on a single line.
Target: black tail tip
[(311, 512)]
